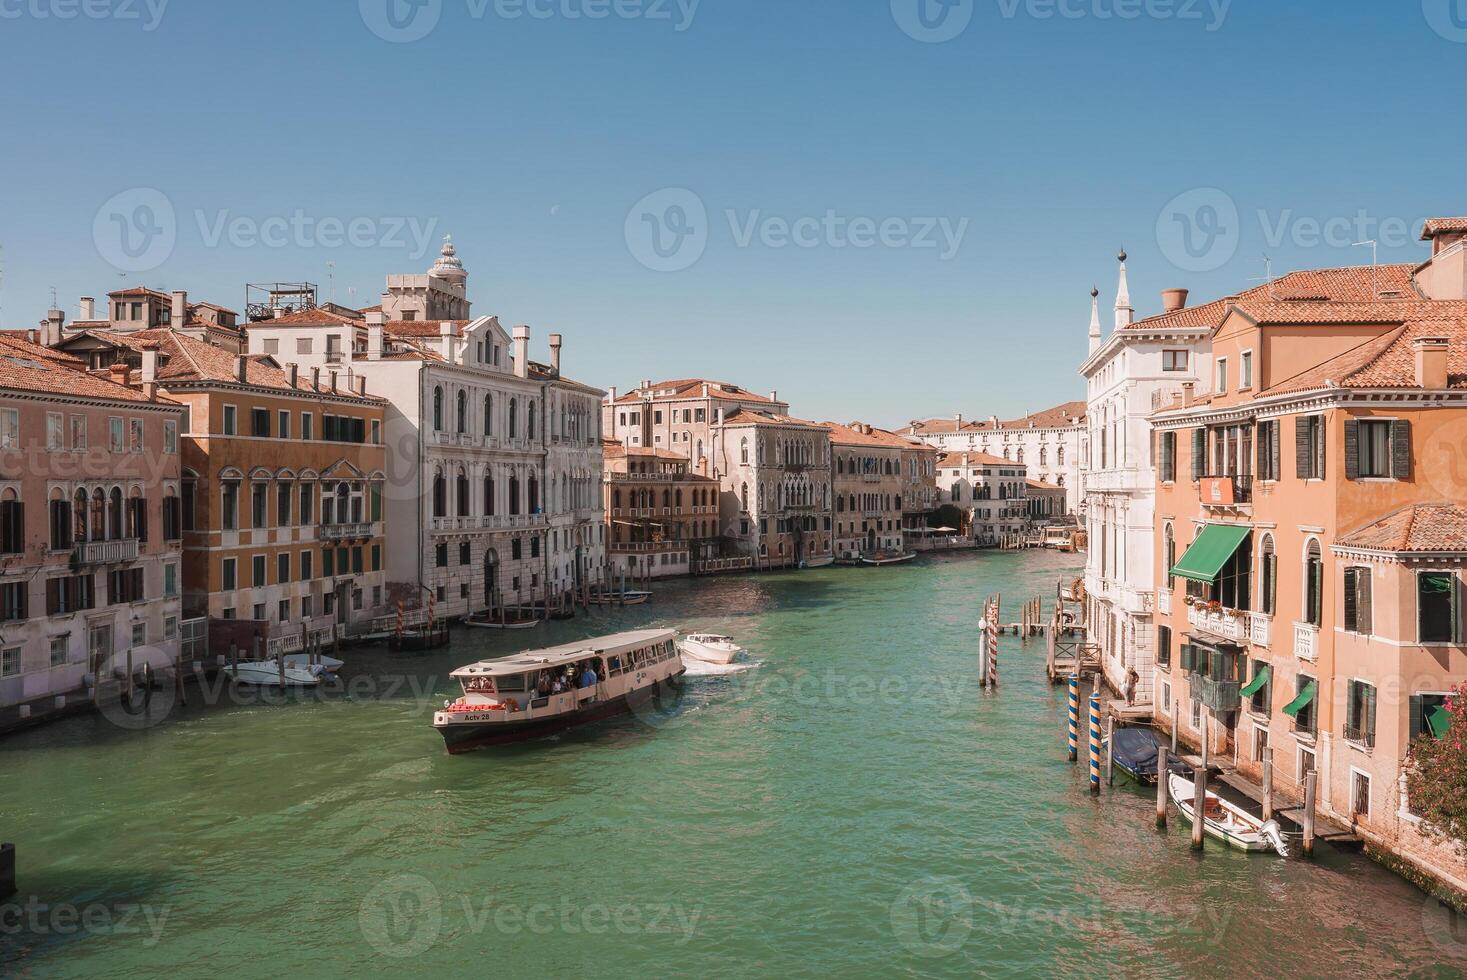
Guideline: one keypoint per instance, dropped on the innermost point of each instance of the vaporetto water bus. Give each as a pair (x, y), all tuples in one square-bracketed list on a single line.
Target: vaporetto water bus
[(540, 692)]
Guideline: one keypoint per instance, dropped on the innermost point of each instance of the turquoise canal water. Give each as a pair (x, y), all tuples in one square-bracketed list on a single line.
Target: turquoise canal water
[(851, 806)]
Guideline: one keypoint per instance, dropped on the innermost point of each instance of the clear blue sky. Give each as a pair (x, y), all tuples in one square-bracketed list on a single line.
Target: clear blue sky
[(1057, 138)]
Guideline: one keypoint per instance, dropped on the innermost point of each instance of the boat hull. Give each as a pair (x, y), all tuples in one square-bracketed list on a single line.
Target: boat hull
[(461, 738), (1247, 838), (707, 654)]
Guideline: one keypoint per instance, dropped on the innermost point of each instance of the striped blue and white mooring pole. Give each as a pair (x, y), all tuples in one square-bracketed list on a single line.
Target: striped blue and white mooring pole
[(1095, 744), (1074, 717)]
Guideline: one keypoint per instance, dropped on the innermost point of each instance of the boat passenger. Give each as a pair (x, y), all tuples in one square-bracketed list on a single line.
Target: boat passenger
[(542, 688), (558, 687), (588, 676)]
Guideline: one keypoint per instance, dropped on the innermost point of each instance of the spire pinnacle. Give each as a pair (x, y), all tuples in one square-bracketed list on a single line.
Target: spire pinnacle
[(1094, 318), (1125, 314)]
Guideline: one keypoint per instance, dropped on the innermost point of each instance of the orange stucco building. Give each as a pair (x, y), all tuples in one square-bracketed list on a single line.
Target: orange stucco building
[(1311, 536)]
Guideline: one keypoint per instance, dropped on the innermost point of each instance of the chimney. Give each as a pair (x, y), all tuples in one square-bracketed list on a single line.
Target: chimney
[(51, 333), (522, 351), (1189, 392), (180, 310), (333, 380), (1431, 362), (774, 396), (315, 379), (150, 363), (119, 372), (1173, 300), (88, 308), (277, 312), (375, 321), (958, 418), (362, 384), (293, 372), (993, 421), (448, 341), (240, 368), (555, 342), (611, 396)]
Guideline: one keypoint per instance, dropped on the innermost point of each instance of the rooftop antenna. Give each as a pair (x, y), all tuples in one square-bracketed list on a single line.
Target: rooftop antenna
[(53, 297), (1266, 277), (1374, 266), (331, 278)]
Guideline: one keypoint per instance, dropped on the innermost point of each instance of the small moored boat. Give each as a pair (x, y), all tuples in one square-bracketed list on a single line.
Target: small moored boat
[(489, 621), (1135, 755), (1225, 821), (540, 692), (886, 558), (625, 597), (303, 660), (269, 673), (710, 648)]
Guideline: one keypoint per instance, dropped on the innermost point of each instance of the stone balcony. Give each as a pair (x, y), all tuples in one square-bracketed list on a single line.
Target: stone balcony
[(106, 552), (488, 522), (344, 532)]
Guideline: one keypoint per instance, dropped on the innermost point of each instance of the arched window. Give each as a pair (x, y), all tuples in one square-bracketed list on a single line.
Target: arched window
[(666, 498), (440, 495), (514, 490), (437, 409), (533, 490), (1313, 583), (463, 411), (1169, 553), (61, 521), (489, 496), (530, 419), (744, 452), (79, 516), (1059, 456), (744, 495), (1268, 574), (488, 415), (463, 493), (114, 514), (513, 420)]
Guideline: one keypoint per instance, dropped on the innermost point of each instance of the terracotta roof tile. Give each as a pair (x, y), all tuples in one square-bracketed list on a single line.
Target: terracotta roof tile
[(1419, 527), (692, 388), (1051, 418), (959, 460), (860, 434), (1442, 226), (1387, 361), (30, 367), (747, 416)]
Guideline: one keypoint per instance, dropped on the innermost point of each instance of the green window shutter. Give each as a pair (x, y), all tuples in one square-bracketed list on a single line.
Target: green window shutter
[(1273, 583), (1303, 460), (1369, 733), (1262, 448), (1352, 449), (1418, 719), (1401, 449), (1364, 620), (1199, 453), (1352, 607)]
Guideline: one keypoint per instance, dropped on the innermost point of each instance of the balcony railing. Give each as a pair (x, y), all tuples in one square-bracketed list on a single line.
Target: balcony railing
[(1306, 641), (106, 552), (341, 532), (1164, 601), (1259, 629), (1227, 491), (1215, 694), (490, 522), (1225, 623)]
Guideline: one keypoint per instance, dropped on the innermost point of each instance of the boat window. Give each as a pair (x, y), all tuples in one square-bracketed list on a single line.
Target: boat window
[(613, 665), (512, 682)]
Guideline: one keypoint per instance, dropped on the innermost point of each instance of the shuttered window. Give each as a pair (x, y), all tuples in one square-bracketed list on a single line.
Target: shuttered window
[(1360, 714), (1199, 454), (1268, 450), (12, 527), (1309, 447), (1164, 646), (1168, 453), (1358, 617)]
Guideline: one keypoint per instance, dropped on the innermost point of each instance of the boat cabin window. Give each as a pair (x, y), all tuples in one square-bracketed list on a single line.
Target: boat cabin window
[(513, 683)]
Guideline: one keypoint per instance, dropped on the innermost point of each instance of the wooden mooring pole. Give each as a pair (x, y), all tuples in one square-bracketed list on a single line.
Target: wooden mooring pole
[(1161, 786), (1311, 785), (1199, 807), (1094, 745), (1110, 750), (1176, 727), (1267, 785), (1074, 717)]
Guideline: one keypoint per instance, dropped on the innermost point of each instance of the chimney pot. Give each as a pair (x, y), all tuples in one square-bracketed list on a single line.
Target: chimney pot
[(333, 381), (1173, 300), (375, 321), (521, 351), (119, 372), (292, 371), (150, 364), (240, 368), (1189, 391), (555, 343), (179, 317), (774, 396), (1431, 362), (55, 324), (88, 308), (315, 378)]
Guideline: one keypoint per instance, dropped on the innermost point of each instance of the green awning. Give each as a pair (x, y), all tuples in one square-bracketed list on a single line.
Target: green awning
[(1438, 721), (1210, 552), (1256, 684), (1297, 705)]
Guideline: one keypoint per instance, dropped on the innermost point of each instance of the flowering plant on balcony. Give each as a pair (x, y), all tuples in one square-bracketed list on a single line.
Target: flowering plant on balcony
[(1436, 777), (1214, 606)]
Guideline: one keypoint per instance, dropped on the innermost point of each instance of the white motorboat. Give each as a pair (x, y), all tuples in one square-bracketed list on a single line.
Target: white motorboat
[(887, 558), (541, 692), (270, 673), (1226, 822), (488, 621), (710, 648), (626, 597), (329, 664)]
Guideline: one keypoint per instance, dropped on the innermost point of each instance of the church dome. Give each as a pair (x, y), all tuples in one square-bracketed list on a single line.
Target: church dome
[(448, 266)]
